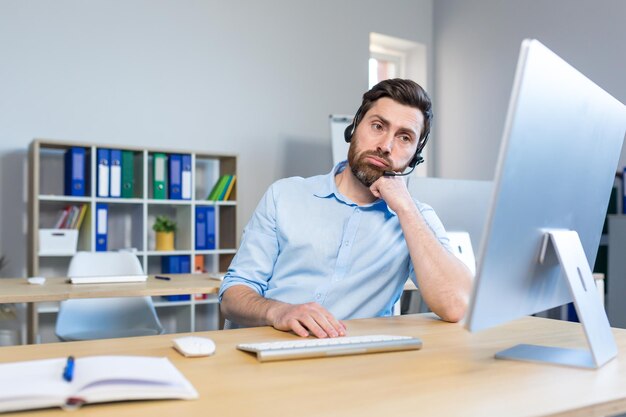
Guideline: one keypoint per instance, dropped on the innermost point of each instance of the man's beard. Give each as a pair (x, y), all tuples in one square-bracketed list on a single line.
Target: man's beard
[(366, 173)]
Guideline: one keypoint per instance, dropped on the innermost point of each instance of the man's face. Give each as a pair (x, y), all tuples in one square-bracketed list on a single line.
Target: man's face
[(385, 140)]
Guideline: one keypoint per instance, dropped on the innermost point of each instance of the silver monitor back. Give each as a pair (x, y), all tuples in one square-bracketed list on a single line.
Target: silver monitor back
[(559, 153)]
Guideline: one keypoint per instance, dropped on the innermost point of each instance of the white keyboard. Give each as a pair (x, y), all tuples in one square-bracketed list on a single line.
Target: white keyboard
[(319, 348), (108, 279)]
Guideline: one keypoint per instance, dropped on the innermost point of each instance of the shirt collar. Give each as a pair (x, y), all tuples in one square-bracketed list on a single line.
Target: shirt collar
[(328, 188)]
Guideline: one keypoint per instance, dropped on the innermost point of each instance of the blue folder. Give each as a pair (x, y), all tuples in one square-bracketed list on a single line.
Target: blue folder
[(102, 227), (75, 172), (185, 264), (175, 181), (176, 264), (200, 228), (210, 226), (170, 264), (205, 227)]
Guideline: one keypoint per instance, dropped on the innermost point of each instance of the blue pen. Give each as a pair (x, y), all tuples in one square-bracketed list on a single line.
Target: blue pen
[(68, 372)]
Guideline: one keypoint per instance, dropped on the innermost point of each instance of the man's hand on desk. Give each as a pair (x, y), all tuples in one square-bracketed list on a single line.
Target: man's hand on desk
[(305, 319)]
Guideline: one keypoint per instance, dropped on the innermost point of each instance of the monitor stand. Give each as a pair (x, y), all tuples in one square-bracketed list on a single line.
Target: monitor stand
[(569, 251)]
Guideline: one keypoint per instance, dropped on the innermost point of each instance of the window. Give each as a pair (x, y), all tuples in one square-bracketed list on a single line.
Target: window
[(383, 66), (396, 58)]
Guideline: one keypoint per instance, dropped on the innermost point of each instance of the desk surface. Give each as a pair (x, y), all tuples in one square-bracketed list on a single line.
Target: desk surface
[(455, 374), (18, 290)]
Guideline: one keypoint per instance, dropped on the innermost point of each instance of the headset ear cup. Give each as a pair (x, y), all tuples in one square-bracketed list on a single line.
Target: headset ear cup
[(347, 134), (417, 159)]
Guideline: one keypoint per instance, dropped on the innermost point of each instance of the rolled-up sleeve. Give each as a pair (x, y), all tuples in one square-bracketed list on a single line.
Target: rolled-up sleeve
[(253, 264), (438, 229)]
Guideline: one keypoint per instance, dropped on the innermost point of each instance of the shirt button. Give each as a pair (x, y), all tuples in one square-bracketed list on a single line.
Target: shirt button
[(346, 243), (318, 296)]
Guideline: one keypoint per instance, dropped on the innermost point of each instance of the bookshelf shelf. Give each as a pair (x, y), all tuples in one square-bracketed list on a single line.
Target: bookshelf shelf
[(215, 203), (130, 218), (169, 202), (119, 200), (170, 252), (64, 198)]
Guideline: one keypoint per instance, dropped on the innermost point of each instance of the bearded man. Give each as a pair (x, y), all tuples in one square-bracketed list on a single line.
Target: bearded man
[(341, 246)]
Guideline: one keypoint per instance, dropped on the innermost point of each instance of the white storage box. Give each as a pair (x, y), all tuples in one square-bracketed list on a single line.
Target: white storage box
[(57, 241)]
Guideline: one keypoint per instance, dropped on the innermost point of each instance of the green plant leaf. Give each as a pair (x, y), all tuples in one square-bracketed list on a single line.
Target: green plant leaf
[(164, 224)]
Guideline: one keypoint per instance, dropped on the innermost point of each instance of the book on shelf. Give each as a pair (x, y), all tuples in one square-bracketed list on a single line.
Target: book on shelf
[(229, 188), (71, 217), (223, 188), (93, 379)]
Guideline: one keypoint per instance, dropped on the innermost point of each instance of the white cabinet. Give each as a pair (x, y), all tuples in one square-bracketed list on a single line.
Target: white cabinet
[(130, 220)]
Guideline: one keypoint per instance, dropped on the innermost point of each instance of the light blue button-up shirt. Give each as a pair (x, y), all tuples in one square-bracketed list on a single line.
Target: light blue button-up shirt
[(307, 242)]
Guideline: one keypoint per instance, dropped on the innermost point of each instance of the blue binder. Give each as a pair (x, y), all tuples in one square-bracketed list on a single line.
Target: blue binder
[(170, 264), (210, 226), (200, 229), (115, 168), (186, 178), (176, 264), (103, 156), (75, 172), (185, 264), (175, 180), (102, 226)]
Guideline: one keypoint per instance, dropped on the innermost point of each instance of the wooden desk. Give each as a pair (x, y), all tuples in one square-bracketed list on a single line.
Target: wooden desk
[(18, 290), (455, 374)]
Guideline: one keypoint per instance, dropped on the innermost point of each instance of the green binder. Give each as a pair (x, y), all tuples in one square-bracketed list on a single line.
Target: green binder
[(128, 174), (159, 176)]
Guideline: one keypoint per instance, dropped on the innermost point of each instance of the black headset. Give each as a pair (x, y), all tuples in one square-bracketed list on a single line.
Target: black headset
[(417, 158)]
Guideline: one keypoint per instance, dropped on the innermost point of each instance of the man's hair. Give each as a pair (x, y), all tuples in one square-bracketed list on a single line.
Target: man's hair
[(405, 92)]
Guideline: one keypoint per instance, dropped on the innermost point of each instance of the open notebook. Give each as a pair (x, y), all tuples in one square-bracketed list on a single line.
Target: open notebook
[(40, 383)]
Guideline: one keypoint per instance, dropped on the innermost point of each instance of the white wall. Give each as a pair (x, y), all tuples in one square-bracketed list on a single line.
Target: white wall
[(256, 78), (476, 46)]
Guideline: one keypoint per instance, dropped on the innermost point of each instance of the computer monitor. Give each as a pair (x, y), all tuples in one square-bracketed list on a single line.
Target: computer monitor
[(559, 154)]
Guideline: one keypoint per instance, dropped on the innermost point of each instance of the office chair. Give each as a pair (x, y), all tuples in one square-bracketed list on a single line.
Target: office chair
[(103, 318)]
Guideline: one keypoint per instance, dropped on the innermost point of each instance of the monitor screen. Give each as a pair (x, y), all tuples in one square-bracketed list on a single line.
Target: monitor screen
[(558, 158)]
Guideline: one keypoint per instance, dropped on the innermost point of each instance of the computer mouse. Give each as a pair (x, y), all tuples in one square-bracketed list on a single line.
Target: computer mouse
[(194, 346)]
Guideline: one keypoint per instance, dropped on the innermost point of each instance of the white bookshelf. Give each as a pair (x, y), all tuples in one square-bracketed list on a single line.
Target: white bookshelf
[(130, 222)]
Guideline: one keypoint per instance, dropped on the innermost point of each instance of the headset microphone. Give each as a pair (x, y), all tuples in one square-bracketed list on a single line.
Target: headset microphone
[(417, 159), (397, 174)]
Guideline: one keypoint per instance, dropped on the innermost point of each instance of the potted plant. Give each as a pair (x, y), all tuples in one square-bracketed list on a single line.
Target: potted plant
[(164, 228)]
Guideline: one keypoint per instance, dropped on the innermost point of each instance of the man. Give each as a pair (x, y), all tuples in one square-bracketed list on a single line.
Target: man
[(340, 246)]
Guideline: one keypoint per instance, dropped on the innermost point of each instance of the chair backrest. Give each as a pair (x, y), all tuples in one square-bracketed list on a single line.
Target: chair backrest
[(100, 318), (86, 264), (462, 247)]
